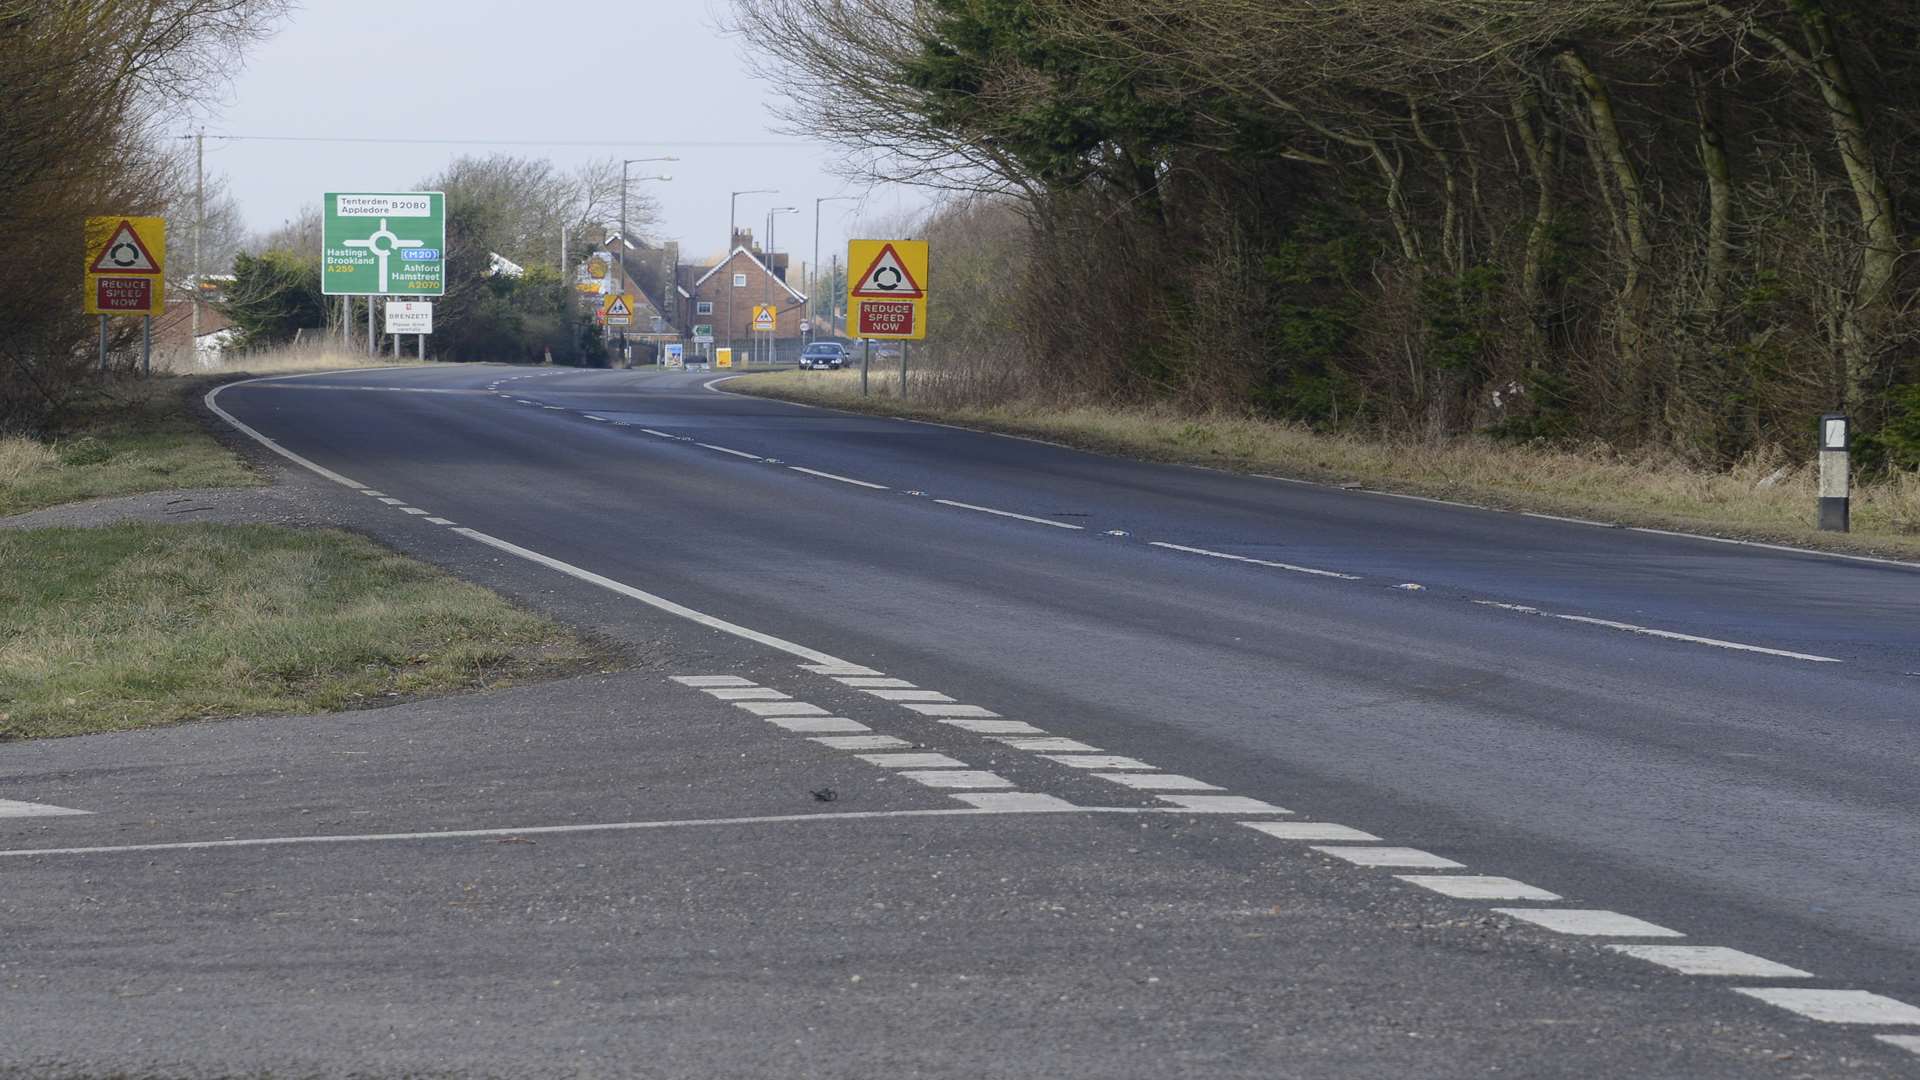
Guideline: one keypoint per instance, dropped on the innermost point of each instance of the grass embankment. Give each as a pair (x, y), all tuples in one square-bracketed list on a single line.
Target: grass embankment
[(137, 436), (1755, 500), (134, 625), (123, 439)]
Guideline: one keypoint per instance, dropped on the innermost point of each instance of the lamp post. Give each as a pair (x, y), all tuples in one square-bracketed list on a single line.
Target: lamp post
[(621, 252), (813, 306), (733, 205), (772, 338)]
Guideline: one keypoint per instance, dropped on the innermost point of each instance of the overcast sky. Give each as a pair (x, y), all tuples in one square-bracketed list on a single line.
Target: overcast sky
[(509, 72)]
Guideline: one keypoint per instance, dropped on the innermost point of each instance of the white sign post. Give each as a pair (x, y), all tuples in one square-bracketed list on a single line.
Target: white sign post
[(409, 317)]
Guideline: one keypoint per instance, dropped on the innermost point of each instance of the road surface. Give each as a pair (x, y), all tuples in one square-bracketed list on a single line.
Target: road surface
[(1210, 775)]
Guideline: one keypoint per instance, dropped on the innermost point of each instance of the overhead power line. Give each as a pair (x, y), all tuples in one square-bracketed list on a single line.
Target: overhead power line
[(691, 143)]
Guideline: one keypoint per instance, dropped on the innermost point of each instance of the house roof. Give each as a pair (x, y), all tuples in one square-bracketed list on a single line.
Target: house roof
[(791, 291)]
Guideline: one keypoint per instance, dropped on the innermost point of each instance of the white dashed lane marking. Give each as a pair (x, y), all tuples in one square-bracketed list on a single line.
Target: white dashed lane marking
[(1097, 761), (1256, 562), (438, 521), (949, 710), (1020, 802), (10, 808), (1010, 514), (868, 681), (1668, 635), (780, 708), (1309, 830), (1711, 960), (959, 778), (712, 680), (1478, 887), (862, 742), (994, 727), (1589, 923), (1044, 744), (1157, 781), (842, 479), (1222, 804), (1909, 1043), (745, 693), (905, 695), (1836, 1006), (1403, 857), (818, 725), (912, 761), (725, 450)]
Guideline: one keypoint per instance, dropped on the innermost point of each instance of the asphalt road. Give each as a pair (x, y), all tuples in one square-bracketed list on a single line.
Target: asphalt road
[(1719, 740)]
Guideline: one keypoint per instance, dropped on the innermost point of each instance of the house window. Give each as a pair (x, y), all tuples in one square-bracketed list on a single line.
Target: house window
[(704, 307), (739, 281)]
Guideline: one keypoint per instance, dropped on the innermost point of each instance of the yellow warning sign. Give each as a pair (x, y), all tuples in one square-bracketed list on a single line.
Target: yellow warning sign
[(723, 358), (888, 298), (765, 318), (126, 266), (617, 309)]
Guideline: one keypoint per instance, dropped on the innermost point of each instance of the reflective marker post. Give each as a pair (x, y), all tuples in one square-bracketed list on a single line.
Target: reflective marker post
[(1835, 478)]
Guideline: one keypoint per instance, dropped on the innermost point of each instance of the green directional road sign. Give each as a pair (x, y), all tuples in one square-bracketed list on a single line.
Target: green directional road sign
[(384, 244)]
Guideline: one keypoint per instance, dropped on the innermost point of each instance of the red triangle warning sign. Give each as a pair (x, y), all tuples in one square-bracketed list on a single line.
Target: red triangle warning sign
[(888, 279), (618, 308), (125, 253)]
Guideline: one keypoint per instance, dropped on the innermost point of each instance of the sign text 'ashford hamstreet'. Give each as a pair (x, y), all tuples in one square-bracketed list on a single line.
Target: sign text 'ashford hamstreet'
[(888, 299), (384, 244), (126, 266)]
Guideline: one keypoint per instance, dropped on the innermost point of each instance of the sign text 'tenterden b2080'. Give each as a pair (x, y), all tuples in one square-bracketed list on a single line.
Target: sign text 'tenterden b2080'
[(384, 244), (887, 294)]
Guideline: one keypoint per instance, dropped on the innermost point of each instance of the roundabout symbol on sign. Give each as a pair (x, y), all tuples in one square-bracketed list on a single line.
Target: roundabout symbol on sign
[(380, 251)]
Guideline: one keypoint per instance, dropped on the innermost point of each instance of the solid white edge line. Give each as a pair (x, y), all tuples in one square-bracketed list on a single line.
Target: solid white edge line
[(1670, 635), (223, 414), (651, 600), (842, 479), (735, 453), (1010, 514), (554, 830), (660, 602), (1255, 562)]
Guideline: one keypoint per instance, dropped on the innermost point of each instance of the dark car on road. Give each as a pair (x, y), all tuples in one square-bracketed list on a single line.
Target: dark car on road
[(824, 354)]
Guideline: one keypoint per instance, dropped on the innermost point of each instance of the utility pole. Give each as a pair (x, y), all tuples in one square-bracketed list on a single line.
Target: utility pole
[(621, 252), (813, 307), (199, 228), (733, 205)]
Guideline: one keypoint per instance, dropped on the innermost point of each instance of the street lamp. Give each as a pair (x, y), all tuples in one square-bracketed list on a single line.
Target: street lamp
[(772, 338), (813, 306), (732, 207), (621, 252)]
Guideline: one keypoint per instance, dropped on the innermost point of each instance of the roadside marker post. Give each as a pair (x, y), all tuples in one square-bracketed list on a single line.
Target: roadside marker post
[(1835, 473)]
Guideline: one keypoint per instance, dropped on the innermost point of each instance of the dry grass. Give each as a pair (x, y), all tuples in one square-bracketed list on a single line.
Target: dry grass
[(138, 624), (1757, 500), (124, 439), (324, 356)]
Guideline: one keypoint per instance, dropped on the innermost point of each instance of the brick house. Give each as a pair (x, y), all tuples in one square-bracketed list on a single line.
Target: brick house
[(727, 292)]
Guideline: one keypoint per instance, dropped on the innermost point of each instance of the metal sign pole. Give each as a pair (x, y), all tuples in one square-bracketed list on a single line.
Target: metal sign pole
[(371, 351), (903, 371), (103, 345), (146, 345), (866, 361)]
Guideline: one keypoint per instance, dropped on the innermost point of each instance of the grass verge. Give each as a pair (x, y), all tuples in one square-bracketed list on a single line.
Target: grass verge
[(137, 625), (137, 436), (123, 439), (1756, 500)]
